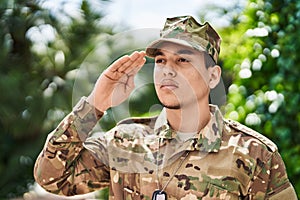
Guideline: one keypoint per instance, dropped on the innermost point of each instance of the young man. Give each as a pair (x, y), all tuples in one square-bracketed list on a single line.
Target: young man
[(187, 152)]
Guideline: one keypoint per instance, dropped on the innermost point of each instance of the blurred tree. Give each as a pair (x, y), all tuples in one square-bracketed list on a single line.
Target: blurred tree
[(260, 55), (42, 45), (40, 48)]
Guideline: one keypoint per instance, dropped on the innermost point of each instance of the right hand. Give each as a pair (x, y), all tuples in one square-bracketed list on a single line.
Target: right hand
[(117, 82)]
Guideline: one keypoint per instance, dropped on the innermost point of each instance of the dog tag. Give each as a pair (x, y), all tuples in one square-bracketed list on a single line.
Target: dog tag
[(159, 195)]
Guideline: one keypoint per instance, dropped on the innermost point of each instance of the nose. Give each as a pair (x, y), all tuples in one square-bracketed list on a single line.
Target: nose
[(169, 71)]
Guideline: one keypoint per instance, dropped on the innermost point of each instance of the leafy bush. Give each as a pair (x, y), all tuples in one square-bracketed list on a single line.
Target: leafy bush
[(260, 55)]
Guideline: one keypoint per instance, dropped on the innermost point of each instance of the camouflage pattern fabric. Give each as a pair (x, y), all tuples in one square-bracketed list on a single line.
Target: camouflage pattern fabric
[(226, 161), (185, 30)]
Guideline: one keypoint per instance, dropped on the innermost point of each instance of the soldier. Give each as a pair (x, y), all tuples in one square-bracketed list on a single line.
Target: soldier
[(188, 151)]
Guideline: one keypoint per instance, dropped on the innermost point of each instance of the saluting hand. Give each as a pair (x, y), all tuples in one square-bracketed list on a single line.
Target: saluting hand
[(117, 82)]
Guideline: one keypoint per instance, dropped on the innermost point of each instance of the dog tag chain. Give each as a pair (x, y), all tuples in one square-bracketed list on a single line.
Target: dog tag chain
[(161, 194)]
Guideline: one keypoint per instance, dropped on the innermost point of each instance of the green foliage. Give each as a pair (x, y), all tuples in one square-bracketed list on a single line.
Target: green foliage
[(260, 55), (40, 48)]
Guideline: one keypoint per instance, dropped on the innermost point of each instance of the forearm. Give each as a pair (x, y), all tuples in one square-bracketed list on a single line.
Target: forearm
[(64, 164)]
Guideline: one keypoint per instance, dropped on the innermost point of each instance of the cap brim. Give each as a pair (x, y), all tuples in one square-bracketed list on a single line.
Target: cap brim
[(151, 50)]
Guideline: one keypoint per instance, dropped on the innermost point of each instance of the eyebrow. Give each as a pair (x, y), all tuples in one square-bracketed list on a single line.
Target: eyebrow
[(158, 53), (181, 51)]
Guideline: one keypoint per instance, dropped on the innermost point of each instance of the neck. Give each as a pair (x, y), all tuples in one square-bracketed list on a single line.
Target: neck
[(192, 118)]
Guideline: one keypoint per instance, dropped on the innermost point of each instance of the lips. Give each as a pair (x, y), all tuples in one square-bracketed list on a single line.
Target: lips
[(168, 84)]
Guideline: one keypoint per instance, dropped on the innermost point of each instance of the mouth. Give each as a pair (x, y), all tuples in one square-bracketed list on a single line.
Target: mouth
[(168, 84)]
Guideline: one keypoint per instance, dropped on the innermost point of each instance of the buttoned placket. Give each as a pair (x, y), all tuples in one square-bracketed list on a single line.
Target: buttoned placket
[(199, 142)]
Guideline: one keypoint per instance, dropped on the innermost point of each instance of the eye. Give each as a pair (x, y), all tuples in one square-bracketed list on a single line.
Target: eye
[(160, 60), (183, 60)]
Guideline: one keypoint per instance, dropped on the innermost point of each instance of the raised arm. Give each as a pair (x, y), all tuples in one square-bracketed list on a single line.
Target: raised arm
[(64, 166), (116, 82)]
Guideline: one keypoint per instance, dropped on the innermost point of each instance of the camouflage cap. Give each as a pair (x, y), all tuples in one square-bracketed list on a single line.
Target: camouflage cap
[(185, 30)]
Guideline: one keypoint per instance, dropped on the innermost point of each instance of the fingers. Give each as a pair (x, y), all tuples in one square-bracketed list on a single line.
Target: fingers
[(127, 63), (136, 61), (135, 66)]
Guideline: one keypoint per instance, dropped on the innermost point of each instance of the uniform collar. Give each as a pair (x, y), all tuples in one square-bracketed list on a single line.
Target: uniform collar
[(207, 140)]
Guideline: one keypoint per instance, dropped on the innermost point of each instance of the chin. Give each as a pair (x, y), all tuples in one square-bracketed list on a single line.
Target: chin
[(171, 106), (168, 100)]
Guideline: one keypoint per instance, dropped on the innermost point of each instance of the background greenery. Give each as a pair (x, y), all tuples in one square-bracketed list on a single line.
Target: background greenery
[(42, 49)]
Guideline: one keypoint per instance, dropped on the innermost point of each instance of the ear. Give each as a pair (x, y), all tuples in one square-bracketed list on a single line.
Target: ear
[(215, 76)]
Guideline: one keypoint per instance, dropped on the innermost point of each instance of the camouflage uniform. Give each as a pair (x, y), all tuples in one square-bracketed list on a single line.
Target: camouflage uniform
[(226, 160)]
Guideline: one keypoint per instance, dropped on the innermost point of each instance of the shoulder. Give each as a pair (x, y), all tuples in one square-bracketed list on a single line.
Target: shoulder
[(147, 121), (133, 128), (240, 128), (132, 135)]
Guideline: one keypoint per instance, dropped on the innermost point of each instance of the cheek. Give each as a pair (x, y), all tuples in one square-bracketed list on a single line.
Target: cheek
[(201, 74), (198, 81), (157, 74)]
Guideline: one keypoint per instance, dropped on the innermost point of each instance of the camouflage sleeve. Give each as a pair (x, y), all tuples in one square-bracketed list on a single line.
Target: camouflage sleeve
[(64, 166), (272, 181)]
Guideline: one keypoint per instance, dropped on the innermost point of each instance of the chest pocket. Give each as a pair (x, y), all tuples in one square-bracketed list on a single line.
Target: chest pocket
[(221, 188)]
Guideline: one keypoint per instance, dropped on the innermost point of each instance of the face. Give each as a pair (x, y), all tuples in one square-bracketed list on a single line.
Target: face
[(181, 77)]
